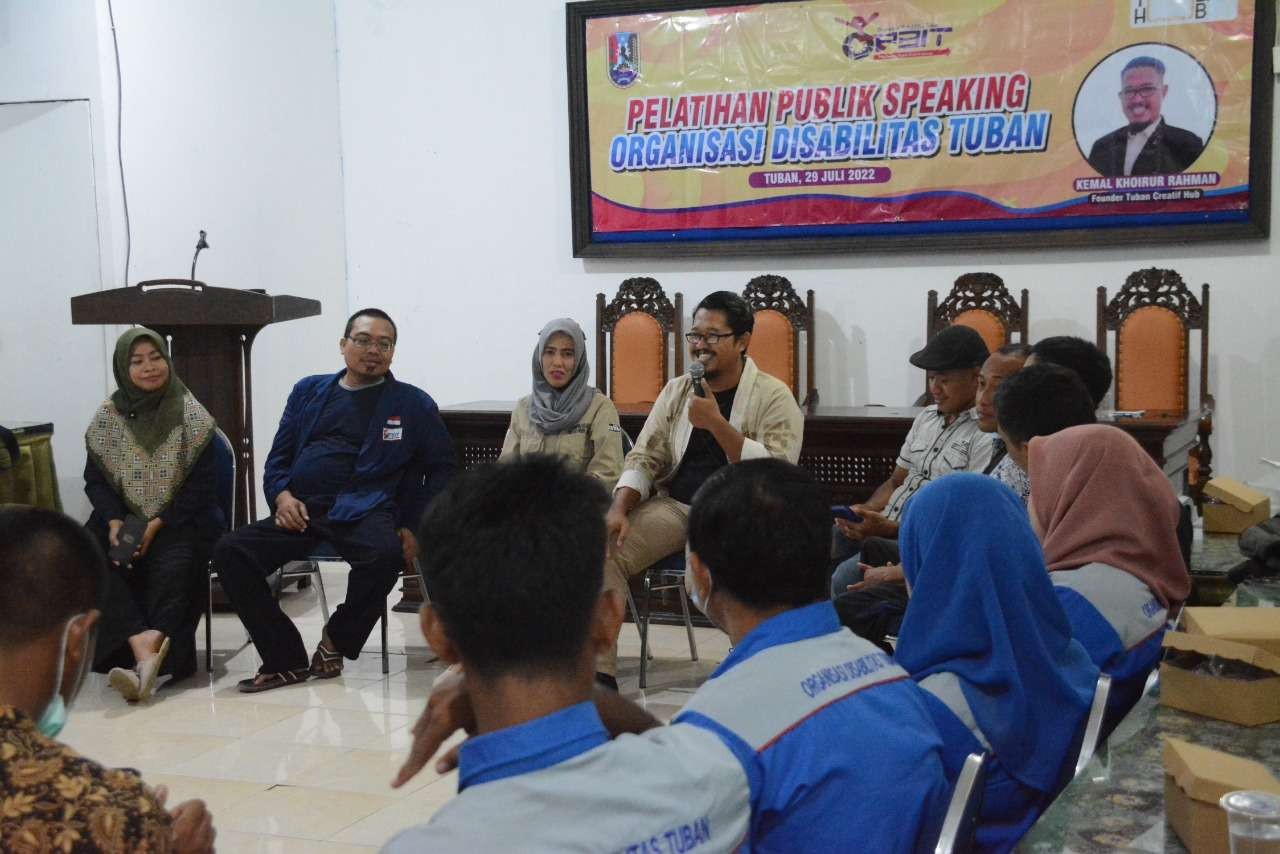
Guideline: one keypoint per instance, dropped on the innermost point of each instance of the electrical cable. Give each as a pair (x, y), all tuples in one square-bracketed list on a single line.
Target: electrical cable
[(124, 195)]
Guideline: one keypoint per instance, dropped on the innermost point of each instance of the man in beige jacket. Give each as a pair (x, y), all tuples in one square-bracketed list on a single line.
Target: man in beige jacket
[(735, 413)]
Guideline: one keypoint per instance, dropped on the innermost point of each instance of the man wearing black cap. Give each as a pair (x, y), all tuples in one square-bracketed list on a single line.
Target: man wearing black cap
[(945, 437)]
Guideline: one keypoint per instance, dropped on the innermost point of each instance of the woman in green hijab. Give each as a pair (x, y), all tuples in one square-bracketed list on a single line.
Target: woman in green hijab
[(150, 469)]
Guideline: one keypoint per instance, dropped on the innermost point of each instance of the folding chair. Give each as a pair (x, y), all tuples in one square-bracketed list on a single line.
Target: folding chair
[(966, 804), (310, 567), (1093, 727), (668, 574), (225, 495)]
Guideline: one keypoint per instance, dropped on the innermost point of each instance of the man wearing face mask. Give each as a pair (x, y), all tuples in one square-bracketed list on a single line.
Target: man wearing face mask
[(52, 577), (736, 412), (821, 722)]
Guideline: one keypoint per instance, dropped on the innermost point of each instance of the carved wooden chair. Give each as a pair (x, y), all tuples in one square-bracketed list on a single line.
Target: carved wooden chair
[(981, 302), (1152, 317), (780, 317), (641, 324)]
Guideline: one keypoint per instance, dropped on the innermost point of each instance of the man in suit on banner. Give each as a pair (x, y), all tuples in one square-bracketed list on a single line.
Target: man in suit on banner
[(1147, 145)]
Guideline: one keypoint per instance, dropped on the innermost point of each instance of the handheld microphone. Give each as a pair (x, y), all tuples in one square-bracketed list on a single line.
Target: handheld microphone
[(697, 371)]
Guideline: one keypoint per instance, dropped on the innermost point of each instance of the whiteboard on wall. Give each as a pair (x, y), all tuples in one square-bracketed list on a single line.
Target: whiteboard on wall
[(52, 371)]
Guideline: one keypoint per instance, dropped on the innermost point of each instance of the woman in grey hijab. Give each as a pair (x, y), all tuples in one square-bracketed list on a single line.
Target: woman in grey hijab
[(564, 415)]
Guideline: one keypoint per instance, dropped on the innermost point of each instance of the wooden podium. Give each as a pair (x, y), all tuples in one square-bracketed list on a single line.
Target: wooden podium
[(210, 333)]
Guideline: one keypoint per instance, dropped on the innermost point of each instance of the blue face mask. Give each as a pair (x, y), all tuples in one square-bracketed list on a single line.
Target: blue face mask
[(54, 716)]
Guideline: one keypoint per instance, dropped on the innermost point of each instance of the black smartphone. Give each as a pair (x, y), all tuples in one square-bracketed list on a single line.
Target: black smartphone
[(128, 537), (842, 511)]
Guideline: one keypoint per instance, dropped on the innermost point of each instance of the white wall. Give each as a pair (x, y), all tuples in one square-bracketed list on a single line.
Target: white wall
[(231, 125), (49, 253), (51, 245), (426, 162), (457, 180)]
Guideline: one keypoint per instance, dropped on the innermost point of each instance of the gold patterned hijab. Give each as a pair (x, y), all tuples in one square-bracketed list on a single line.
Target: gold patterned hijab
[(144, 442)]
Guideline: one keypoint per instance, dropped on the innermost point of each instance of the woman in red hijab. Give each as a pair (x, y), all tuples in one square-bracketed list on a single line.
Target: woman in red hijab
[(1107, 519)]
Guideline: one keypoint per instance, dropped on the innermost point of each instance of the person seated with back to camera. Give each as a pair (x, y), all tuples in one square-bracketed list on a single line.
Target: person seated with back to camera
[(151, 463), (986, 638), (564, 415), (515, 595), (1039, 400), (53, 579), (1094, 367), (357, 456), (736, 412), (1081, 356), (793, 688), (1107, 518)]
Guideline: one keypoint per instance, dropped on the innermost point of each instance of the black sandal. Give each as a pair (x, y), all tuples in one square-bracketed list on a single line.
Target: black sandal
[(274, 680), (322, 663)]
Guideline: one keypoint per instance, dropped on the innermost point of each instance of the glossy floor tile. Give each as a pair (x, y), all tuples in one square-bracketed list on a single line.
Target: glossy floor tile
[(307, 768)]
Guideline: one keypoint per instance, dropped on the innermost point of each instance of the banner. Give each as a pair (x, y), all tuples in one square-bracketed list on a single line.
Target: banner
[(914, 117)]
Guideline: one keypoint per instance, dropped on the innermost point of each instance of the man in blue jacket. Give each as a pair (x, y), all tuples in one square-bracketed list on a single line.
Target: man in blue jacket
[(355, 460)]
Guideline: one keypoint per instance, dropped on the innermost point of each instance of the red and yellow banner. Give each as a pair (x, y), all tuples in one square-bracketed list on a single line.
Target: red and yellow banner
[(810, 118)]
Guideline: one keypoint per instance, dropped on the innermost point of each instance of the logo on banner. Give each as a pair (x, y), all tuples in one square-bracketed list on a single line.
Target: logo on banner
[(623, 58), (1164, 13), (915, 41)]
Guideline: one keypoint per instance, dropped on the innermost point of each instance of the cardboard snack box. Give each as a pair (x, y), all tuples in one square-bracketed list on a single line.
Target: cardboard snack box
[(1234, 506), (1195, 779), (1250, 702), (1258, 627)]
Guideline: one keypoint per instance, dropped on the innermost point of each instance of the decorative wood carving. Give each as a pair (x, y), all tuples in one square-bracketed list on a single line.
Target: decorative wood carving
[(985, 291), (775, 293), (1153, 286), (641, 293)]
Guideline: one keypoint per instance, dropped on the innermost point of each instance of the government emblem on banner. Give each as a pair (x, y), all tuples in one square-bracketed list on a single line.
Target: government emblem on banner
[(624, 58)]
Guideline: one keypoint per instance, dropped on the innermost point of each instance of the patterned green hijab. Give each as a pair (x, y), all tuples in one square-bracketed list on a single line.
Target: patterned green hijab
[(150, 416)]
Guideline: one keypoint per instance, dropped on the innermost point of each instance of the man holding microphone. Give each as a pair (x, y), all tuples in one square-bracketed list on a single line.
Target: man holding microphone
[(734, 413)]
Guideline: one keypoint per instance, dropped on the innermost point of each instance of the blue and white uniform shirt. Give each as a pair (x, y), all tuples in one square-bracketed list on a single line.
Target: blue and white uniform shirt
[(558, 784), (829, 730)]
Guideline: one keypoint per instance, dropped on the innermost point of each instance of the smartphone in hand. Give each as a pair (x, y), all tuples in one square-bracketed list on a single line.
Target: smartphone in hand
[(842, 511), (130, 537)]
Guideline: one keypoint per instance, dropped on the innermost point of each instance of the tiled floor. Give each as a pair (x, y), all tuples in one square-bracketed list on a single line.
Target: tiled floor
[(307, 768)]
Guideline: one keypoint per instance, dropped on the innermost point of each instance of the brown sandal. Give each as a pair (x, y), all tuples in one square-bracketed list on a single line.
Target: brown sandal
[(323, 663), (273, 681)]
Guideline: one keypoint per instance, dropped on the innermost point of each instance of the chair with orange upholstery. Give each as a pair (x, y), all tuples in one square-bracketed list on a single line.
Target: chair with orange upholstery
[(640, 322), (780, 317), (981, 302), (1152, 317)]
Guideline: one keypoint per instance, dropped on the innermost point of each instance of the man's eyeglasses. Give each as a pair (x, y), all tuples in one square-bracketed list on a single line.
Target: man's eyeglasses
[(364, 342), (712, 338), (1142, 91)]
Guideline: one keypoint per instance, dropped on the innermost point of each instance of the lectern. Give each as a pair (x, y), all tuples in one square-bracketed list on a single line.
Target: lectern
[(210, 333)]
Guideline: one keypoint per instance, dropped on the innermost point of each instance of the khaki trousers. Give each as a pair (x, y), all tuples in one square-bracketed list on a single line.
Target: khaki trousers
[(658, 527)]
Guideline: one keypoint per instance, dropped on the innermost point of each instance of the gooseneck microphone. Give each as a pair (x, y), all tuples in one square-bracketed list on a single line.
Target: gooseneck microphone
[(697, 371), (201, 243)]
